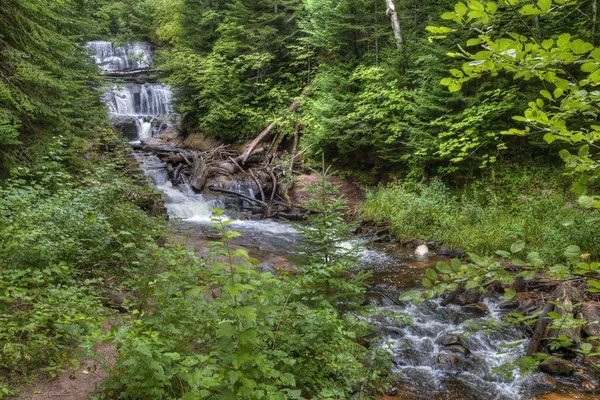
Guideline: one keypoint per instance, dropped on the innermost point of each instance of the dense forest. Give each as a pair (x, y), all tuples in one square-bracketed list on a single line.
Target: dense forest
[(472, 127)]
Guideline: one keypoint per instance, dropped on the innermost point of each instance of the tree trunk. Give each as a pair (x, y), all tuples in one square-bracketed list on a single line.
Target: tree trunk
[(391, 11), (594, 20)]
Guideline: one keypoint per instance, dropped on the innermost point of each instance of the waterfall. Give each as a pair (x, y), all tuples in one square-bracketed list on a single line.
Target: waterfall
[(112, 58), (148, 99), (133, 107)]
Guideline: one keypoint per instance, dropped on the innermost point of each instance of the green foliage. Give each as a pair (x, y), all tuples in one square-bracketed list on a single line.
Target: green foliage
[(48, 85), (230, 65), (484, 220), (60, 236), (329, 256), (566, 110), (225, 330)]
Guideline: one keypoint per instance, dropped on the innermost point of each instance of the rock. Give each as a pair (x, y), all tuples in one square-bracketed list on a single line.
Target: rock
[(446, 359), (567, 301), (591, 313), (478, 309), (444, 251), (588, 387), (557, 366), (449, 340), (460, 349), (422, 250), (467, 297), (537, 384), (393, 330), (458, 252), (264, 267), (126, 124), (508, 305)]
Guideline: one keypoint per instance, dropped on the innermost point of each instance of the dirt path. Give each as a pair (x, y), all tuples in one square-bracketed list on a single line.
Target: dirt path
[(80, 384)]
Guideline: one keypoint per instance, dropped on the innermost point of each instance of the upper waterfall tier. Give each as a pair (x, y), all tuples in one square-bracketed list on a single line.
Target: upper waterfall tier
[(140, 100), (114, 58)]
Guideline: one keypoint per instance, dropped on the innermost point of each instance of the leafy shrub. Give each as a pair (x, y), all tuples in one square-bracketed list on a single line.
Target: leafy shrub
[(60, 235), (227, 331)]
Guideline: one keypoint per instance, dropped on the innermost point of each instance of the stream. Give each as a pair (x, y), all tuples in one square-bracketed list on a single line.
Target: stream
[(430, 360)]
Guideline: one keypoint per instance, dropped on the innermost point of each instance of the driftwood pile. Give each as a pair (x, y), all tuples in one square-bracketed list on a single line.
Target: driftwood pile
[(195, 168)]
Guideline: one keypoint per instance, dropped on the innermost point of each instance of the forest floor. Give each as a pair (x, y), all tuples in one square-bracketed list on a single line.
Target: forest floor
[(79, 384)]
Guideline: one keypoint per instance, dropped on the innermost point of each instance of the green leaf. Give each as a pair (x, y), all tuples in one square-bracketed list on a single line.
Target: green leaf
[(473, 41), (443, 267), (439, 29), (529, 9), (572, 251), (578, 46), (503, 253), (593, 283), (460, 8), (455, 264), (595, 76), (431, 274), (517, 246), (586, 347), (544, 5), (426, 283)]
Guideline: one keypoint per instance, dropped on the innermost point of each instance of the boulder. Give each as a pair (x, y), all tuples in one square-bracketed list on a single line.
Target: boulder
[(449, 340), (591, 313), (477, 309), (422, 250), (467, 297), (460, 349), (446, 359), (458, 252), (126, 124), (537, 384), (557, 366), (444, 251)]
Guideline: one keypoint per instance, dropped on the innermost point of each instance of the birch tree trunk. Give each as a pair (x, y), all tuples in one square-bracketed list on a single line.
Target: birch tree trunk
[(391, 11)]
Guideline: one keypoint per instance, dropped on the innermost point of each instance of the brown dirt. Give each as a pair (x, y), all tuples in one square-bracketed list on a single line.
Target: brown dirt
[(197, 141), (80, 384), (348, 189)]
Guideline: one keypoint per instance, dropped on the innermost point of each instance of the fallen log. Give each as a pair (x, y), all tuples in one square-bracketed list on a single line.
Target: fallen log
[(199, 173)]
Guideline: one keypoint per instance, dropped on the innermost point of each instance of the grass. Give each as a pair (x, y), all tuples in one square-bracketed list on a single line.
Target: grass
[(489, 215)]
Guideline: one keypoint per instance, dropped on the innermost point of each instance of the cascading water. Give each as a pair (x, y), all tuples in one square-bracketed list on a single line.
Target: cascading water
[(118, 58), (135, 108)]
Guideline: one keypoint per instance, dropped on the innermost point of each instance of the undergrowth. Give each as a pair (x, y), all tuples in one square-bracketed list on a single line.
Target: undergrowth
[(65, 239), (489, 215)]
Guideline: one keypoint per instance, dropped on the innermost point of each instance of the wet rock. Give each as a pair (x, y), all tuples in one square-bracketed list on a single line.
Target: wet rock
[(557, 366), (537, 384), (478, 309), (446, 359), (444, 251), (567, 302), (458, 252), (509, 305), (449, 340), (393, 330), (519, 285), (126, 124), (467, 297), (588, 387), (460, 349), (422, 250), (591, 313), (528, 307)]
